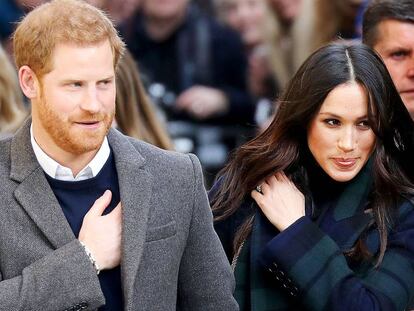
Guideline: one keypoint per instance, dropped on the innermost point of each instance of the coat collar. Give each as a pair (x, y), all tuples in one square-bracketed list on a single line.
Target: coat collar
[(36, 197), (353, 199)]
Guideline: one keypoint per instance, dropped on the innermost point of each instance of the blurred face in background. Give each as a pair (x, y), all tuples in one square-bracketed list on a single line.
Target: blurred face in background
[(121, 10), (246, 17), (117, 10), (164, 9), (29, 4), (286, 10)]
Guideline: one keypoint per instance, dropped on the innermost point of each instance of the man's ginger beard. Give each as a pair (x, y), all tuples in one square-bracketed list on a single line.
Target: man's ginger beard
[(69, 136)]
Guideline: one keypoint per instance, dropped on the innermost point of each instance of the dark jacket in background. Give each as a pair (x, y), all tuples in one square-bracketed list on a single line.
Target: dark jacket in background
[(199, 52)]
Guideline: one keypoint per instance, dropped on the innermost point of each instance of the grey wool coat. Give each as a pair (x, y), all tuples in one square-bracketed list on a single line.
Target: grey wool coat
[(171, 255)]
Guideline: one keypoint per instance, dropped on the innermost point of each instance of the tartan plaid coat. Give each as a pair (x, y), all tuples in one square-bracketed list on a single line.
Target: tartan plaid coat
[(304, 267)]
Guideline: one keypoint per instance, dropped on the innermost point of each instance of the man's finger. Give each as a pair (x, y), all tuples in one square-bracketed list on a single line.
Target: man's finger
[(117, 211), (100, 204)]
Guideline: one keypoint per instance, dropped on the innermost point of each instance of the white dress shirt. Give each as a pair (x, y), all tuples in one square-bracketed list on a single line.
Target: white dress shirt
[(60, 172)]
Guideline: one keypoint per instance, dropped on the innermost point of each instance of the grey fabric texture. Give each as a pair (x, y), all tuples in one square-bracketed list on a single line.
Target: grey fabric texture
[(171, 255)]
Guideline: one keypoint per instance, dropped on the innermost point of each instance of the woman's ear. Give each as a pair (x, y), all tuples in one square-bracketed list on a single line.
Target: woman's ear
[(29, 82)]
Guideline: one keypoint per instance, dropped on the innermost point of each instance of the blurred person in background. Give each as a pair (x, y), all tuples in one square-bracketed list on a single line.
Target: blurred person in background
[(118, 10), (388, 27), (135, 114), (12, 110), (197, 73), (11, 11), (324, 21), (206, 5), (198, 60), (282, 33), (249, 18), (246, 17)]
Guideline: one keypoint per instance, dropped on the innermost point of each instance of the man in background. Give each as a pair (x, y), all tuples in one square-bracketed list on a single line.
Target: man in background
[(194, 57), (388, 27)]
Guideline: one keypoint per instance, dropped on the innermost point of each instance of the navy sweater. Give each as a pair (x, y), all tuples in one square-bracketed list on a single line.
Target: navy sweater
[(76, 198)]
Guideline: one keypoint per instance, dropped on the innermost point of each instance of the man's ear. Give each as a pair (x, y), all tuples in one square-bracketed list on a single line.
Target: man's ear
[(28, 82)]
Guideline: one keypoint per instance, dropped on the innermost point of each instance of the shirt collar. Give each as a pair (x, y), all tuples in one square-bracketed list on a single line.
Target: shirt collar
[(60, 172)]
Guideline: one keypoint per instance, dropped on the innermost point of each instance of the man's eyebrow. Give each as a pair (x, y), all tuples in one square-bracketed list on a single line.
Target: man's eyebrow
[(70, 80), (107, 78), (398, 48)]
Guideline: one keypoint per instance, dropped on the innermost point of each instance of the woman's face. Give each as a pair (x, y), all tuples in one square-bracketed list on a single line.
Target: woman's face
[(339, 136)]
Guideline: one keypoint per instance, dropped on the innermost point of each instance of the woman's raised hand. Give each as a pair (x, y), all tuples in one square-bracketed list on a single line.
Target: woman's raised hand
[(280, 200)]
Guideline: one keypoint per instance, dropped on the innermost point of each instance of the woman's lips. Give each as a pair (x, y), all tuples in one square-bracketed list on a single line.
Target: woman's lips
[(345, 163), (408, 92)]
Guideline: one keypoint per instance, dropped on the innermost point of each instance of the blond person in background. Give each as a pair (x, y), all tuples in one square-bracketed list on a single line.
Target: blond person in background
[(12, 110), (281, 34), (323, 21), (135, 114)]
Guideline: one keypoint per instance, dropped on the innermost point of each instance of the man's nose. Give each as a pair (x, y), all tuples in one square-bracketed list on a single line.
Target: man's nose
[(410, 68), (90, 100)]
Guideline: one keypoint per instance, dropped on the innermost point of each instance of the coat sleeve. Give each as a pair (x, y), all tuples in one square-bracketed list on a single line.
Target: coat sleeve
[(309, 263), (206, 282), (62, 280)]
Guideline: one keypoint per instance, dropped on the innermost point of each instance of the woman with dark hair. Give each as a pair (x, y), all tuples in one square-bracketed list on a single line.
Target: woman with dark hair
[(316, 212)]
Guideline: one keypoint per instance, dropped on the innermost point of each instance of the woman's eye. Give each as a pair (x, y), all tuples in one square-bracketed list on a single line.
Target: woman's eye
[(332, 122), (364, 124)]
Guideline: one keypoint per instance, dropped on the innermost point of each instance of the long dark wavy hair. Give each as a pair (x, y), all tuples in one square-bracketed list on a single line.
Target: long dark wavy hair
[(283, 145)]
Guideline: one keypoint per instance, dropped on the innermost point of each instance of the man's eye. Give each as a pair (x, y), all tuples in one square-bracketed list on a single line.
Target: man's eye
[(76, 84), (398, 55), (105, 82)]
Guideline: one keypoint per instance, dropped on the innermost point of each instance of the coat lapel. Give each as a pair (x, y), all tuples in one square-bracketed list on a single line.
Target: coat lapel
[(135, 185), (34, 193)]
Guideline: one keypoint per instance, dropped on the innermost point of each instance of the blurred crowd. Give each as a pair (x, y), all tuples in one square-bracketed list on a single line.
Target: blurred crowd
[(200, 76)]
